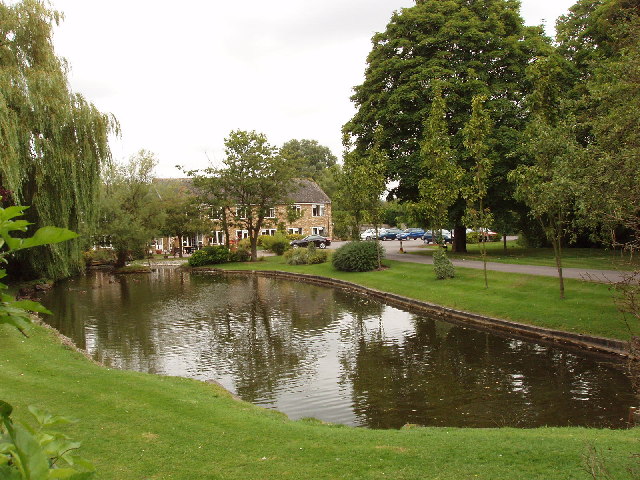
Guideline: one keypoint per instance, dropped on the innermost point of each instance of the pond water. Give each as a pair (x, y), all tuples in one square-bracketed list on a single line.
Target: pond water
[(312, 351)]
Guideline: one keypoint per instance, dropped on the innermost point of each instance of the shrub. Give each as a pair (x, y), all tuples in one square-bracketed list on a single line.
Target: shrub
[(100, 256), (358, 256), (320, 256), (474, 237), (442, 266), (245, 243), (209, 256), (277, 243), (296, 256), (240, 255), (294, 236)]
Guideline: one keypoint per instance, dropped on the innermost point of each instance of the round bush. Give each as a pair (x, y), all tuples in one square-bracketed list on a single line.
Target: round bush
[(357, 256), (209, 256), (240, 255)]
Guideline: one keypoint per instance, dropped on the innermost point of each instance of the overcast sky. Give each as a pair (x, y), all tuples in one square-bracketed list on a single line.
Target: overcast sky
[(179, 76)]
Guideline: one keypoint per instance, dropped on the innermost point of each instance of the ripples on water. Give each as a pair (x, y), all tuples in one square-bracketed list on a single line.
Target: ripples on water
[(318, 352)]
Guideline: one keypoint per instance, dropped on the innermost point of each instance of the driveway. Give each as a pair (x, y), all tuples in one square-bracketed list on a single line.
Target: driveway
[(392, 249)]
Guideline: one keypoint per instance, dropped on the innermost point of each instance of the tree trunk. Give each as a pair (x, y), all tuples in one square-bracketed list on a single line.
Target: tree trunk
[(557, 252), (121, 258), (460, 239), (504, 242), (180, 246)]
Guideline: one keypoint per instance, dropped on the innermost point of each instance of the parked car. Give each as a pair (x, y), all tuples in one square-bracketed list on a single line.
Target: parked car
[(368, 234), (389, 234), (320, 241), (429, 238), (411, 234)]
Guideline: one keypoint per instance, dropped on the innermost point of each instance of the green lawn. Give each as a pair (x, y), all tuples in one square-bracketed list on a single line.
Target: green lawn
[(141, 426), (588, 307), (596, 258)]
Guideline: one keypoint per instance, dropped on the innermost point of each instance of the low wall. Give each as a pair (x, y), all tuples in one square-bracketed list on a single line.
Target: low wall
[(610, 349)]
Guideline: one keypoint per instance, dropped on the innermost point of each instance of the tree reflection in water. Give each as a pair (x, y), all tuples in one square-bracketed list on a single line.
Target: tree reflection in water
[(312, 351)]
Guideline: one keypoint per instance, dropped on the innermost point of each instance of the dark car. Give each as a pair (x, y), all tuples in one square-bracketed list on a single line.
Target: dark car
[(389, 234), (428, 237), (411, 234), (320, 241)]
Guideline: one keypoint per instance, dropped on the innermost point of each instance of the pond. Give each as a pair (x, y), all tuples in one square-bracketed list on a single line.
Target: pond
[(312, 351)]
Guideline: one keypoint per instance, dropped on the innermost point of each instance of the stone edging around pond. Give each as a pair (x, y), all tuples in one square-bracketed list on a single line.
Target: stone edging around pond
[(588, 343)]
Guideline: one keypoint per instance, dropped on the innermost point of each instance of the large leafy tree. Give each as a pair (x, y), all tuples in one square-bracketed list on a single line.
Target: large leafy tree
[(255, 177), (131, 211), (470, 48), (53, 143)]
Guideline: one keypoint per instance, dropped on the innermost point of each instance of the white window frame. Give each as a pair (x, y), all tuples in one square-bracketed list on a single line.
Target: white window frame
[(241, 212), (268, 231), (317, 210), (271, 213), (317, 230), (218, 237), (242, 234), (294, 231), (297, 208)]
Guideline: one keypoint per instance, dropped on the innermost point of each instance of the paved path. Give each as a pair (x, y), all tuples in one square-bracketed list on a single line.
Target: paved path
[(392, 249)]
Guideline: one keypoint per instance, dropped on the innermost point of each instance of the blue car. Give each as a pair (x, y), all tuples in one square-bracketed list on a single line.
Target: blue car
[(389, 234), (428, 237), (411, 234)]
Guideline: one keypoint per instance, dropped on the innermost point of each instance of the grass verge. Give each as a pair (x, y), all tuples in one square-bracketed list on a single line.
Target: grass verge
[(141, 426), (588, 308), (595, 258)]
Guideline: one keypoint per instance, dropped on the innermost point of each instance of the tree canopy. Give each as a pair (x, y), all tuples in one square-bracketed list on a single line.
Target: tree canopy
[(53, 142), (468, 49)]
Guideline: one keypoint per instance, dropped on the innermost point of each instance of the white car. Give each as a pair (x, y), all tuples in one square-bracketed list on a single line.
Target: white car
[(368, 234)]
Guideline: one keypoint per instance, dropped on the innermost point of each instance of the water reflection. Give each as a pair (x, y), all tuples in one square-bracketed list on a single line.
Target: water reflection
[(312, 351)]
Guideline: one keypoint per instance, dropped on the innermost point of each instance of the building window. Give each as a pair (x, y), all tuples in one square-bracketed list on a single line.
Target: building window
[(294, 230), (317, 231), (216, 213), (241, 212), (218, 237), (268, 231), (240, 234), (271, 213), (318, 210)]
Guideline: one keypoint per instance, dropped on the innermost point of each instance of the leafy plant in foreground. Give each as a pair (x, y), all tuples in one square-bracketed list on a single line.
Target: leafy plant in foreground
[(37, 454), (16, 312), (358, 256)]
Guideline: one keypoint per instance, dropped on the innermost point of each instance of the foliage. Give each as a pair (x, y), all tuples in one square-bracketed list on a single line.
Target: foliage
[(360, 187), (294, 236), (466, 49), (185, 213), (358, 256), (100, 256), (277, 243), (53, 143), (37, 454), (442, 266), (131, 212), (16, 312), (255, 178), (474, 237), (309, 158), (209, 256), (475, 135), (306, 256), (240, 255), (440, 187)]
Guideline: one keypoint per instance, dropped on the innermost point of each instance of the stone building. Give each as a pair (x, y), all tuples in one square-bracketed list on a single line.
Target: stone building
[(306, 212)]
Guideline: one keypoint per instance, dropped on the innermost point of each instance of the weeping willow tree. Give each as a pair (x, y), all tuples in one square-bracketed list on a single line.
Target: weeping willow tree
[(52, 141)]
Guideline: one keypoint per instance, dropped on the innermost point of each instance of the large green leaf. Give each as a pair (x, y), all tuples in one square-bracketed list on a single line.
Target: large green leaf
[(43, 236), (33, 461), (31, 306)]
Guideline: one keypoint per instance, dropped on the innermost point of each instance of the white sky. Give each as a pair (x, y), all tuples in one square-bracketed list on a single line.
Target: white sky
[(179, 76)]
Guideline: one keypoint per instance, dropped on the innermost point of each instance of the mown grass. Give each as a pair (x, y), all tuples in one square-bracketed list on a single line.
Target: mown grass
[(141, 426), (588, 307), (595, 258)]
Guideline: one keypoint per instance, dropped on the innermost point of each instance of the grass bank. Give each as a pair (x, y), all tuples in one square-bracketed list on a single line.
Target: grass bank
[(140, 426), (588, 308), (595, 258)]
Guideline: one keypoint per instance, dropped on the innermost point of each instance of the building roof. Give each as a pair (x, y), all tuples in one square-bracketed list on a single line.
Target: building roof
[(303, 190)]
